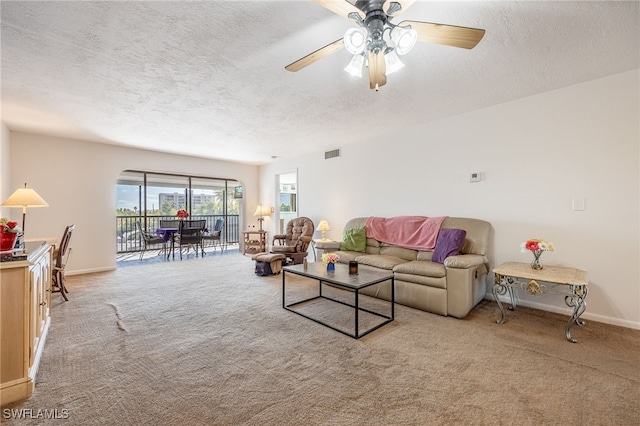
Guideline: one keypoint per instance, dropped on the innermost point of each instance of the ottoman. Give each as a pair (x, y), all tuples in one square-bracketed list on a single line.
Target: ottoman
[(268, 263)]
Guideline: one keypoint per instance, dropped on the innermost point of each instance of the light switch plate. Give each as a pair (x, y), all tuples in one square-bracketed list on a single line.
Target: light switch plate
[(577, 204)]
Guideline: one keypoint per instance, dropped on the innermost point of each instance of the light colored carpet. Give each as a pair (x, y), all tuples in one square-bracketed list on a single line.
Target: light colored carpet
[(206, 342)]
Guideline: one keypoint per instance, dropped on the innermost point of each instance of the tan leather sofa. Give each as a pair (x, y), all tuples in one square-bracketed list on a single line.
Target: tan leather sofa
[(452, 288)]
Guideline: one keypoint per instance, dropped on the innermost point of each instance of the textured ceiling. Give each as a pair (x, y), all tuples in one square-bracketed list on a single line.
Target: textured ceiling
[(208, 78)]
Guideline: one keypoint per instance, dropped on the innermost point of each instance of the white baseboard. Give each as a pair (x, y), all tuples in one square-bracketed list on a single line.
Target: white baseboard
[(568, 311), (91, 271)]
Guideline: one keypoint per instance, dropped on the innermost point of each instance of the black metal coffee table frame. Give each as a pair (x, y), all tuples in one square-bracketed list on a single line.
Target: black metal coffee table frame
[(341, 278)]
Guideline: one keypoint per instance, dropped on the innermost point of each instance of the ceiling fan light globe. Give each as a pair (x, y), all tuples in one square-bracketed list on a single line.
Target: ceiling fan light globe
[(392, 62), (404, 39), (355, 66), (355, 40)]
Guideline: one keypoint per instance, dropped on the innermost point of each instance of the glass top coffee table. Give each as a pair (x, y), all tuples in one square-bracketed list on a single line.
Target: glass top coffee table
[(337, 298)]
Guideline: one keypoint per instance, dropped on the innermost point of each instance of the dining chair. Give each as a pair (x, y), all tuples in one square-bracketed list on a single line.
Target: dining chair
[(149, 239), (214, 235), (169, 223), (190, 234), (60, 259)]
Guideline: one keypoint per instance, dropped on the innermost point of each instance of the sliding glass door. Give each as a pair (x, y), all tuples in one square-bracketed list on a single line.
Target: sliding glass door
[(149, 197)]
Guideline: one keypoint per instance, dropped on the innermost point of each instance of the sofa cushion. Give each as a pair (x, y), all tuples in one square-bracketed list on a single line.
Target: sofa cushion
[(448, 244), (380, 261), (395, 251), (354, 240), (421, 267), (434, 282), (465, 261), (424, 255), (372, 242), (347, 256), (477, 239)]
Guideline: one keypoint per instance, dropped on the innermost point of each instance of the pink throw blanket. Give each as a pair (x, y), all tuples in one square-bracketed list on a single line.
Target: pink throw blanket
[(412, 232)]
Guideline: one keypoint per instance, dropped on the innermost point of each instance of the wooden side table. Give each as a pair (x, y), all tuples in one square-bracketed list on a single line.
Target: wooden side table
[(254, 242), (561, 280)]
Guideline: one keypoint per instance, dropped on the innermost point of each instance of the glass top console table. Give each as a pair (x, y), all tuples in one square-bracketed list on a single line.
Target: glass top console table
[(552, 279)]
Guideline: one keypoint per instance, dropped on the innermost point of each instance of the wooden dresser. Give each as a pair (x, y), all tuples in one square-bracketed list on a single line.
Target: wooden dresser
[(25, 300)]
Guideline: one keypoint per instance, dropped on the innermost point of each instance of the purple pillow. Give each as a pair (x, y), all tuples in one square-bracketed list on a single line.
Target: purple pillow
[(449, 243)]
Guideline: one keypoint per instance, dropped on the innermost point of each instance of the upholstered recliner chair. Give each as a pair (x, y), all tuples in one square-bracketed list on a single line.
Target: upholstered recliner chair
[(295, 241)]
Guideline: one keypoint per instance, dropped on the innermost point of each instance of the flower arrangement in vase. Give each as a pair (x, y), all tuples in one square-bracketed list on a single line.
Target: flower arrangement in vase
[(7, 225), (182, 214), (536, 247), (9, 231), (330, 259)]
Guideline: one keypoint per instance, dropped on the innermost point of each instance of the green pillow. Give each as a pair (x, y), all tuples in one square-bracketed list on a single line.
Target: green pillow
[(354, 240)]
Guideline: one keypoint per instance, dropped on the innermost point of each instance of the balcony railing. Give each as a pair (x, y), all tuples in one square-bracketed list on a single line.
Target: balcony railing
[(128, 238)]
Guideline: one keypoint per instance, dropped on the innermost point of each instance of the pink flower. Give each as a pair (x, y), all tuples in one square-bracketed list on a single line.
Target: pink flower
[(532, 245), (329, 258), (536, 245)]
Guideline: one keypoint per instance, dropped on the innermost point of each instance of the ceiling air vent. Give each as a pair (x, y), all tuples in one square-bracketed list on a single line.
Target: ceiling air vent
[(332, 154)]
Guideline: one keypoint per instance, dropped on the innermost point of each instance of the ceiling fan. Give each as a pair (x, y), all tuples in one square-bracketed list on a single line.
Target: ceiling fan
[(379, 41)]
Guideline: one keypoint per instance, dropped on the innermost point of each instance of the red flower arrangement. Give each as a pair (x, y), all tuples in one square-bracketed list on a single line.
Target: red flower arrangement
[(8, 226), (182, 214), (536, 247)]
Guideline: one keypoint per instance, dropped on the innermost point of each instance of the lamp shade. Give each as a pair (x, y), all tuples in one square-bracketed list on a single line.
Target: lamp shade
[(262, 210), (25, 197), (323, 226)]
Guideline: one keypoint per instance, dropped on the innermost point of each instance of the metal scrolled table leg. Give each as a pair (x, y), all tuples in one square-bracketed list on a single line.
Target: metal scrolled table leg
[(499, 289), (578, 301), (511, 295)]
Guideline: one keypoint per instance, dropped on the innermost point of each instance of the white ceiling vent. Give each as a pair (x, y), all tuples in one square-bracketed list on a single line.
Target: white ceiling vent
[(332, 154)]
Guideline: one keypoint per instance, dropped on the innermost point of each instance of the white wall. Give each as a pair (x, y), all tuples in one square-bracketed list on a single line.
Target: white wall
[(5, 167), (78, 180), (535, 154)]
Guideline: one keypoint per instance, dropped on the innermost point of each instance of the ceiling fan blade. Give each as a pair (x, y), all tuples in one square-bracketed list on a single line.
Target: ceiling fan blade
[(448, 35), (377, 71), (315, 56), (405, 4), (340, 7)]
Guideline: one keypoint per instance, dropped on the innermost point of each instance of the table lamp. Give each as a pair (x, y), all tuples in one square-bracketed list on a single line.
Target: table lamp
[(24, 197), (261, 212), (323, 226)]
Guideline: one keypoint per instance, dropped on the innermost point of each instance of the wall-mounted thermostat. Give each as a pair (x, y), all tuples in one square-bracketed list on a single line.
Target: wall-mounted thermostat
[(474, 177)]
